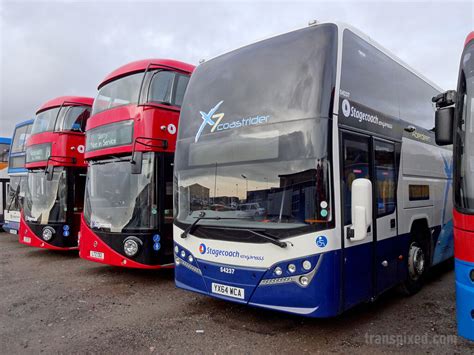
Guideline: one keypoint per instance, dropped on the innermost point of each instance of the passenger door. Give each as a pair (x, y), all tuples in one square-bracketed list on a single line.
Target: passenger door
[(370, 265), (358, 257)]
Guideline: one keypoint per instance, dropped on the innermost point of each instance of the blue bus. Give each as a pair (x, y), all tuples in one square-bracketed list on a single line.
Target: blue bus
[(17, 174), (4, 149), (307, 177)]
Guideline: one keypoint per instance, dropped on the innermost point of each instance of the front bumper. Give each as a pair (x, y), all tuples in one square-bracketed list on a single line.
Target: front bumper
[(262, 288)]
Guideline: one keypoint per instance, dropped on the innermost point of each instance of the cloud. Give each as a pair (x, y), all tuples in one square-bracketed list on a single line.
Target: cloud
[(57, 48)]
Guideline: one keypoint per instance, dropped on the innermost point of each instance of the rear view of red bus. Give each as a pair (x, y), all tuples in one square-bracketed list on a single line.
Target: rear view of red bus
[(454, 125), (130, 144), (56, 174)]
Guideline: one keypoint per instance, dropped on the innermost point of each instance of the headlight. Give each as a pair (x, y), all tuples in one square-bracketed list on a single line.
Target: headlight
[(292, 268), (278, 271), (190, 258), (183, 254), (48, 233), (307, 265), (176, 249), (131, 247)]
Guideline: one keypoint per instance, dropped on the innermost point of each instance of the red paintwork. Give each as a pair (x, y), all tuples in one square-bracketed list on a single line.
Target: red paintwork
[(63, 144), (58, 101), (469, 38), (463, 236), (111, 257), (153, 121), (67, 144), (141, 65), (25, 231)]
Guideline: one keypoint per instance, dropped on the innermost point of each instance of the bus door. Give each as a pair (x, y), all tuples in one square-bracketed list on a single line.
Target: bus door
[(165, 198), (365, 271)]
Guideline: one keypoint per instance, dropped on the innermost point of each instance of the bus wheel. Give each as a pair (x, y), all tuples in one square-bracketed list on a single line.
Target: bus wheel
[(417, 267)]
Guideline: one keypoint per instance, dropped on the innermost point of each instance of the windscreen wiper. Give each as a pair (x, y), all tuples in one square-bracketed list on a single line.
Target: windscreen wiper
[(202, 215), (268, 237)]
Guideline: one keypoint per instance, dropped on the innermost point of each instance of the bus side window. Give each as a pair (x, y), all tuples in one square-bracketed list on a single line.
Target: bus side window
[(79, 188), (161, 87), (385, 175), (356, 165)]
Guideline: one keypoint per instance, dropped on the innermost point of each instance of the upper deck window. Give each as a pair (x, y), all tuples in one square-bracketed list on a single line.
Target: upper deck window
[(19, 139), (65, 118), (373, 79), (123, 91), (4, 150), (160, 87)]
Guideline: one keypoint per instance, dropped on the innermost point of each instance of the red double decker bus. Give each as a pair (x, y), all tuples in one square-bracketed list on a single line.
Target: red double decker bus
[(455, 125), (130, 146), (56, 174)]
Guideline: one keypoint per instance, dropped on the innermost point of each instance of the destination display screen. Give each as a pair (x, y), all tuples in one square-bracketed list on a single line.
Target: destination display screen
[(111, 135), (40, 152)]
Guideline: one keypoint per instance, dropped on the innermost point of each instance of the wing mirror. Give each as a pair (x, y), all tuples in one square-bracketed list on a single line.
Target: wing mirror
[(361, 209), (444, 120), (444, 117)]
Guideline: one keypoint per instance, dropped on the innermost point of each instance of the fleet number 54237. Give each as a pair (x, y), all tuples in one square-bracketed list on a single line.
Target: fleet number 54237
[(227, 270)]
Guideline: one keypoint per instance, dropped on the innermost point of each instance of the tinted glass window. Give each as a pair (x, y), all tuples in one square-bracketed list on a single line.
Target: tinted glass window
[(284, 78), (182, 83), (20, 137), (385, 172), (368, 76), (464, 143), (356, 166), (415, 99), (45, 121), (74, 118), (161, 87), (119, 92), (371, 78), (4, 150)]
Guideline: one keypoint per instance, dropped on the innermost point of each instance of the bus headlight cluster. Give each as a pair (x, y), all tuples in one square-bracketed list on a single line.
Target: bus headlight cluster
[(48, 233), (131, 246)]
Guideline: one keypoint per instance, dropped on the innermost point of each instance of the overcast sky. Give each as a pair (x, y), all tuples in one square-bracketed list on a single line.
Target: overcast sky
[(54, 48)]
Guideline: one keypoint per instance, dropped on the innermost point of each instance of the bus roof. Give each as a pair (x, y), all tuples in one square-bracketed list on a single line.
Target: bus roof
[(4, 140), (67, 100), (342, 26), (141, 65), (469, 38), (24, 123)]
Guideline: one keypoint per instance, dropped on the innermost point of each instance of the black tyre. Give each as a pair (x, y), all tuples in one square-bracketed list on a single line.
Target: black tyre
[(418, 265)]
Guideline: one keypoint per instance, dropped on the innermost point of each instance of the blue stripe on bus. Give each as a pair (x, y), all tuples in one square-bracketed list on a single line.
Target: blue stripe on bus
[(465, 298)]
